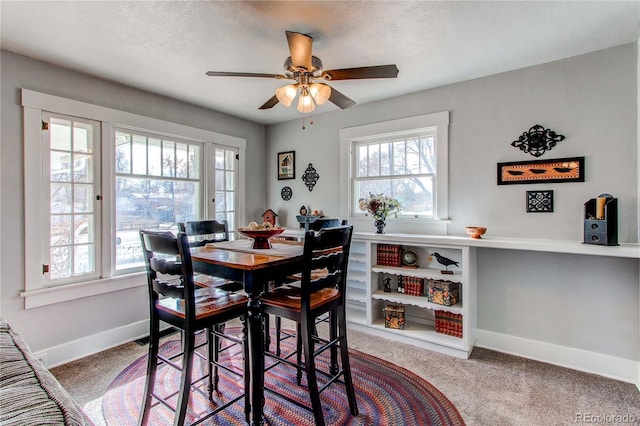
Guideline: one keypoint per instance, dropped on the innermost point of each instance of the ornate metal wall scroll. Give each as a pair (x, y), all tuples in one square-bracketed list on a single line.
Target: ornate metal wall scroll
[(310, 177), (537, 140)]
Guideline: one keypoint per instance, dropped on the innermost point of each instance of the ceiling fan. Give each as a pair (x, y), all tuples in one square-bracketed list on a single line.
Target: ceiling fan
[(309, 76)]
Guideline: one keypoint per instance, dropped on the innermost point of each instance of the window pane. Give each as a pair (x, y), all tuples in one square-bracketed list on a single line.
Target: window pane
[(60, 166), (182, 163), (168, 158), (413, 156), (149, 204), (230, 160), (229, 183), (61, 198), (219, 161), (373, 168), (399, 167), (385, 159), (416, 195), (83, 229), (82, 138), (428, 155), (123, 152), (221, 205), (83, 198), (60, 134), (154, 160), (363, 188), (139, 155), (82, 168), (61, 226), (229, 201), (60, 262), (83, 259), (194, 162), (361, 160), (219, 180)]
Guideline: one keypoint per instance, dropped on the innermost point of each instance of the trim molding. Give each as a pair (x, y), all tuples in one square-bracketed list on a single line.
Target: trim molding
[(89, 345), (577, 359), (613, 367)]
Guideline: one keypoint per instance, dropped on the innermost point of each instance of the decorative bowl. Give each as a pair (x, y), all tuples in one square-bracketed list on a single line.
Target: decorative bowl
[(261, 236), (476, 231)]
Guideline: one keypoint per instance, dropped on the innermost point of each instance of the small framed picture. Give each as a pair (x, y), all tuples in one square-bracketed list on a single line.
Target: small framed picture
[(286, 165), (539, 201)]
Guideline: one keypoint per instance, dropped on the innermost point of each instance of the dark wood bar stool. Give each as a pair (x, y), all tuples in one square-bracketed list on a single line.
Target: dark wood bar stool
[(200, 233), (174, 299), (321, 290), (316, 225)]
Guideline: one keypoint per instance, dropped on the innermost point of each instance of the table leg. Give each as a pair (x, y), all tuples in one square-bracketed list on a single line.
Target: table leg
[(256, 350)]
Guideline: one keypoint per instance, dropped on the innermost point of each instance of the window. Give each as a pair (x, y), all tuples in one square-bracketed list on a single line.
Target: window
[(72, 181), (95, 176), (405, 159), (402, 168), (157, 184), (225, 184)]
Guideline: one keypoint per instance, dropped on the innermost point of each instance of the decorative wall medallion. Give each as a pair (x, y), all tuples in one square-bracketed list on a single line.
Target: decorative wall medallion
[(537, 140), (310, 177), (539, 201), (286, 193)]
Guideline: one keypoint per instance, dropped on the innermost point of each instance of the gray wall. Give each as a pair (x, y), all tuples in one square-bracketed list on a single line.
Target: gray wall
[(592, 100), (55, 324)]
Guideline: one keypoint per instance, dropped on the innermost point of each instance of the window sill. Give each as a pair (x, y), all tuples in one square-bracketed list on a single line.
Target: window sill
[(52, 295)]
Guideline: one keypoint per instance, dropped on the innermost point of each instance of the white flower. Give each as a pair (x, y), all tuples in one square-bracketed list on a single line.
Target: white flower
[(379, 205)]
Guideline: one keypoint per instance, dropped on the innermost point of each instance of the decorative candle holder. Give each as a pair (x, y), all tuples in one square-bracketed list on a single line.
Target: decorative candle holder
[(601, 220)]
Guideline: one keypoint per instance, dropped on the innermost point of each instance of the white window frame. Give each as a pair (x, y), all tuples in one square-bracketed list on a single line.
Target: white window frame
[(34, 103), (436, 123)]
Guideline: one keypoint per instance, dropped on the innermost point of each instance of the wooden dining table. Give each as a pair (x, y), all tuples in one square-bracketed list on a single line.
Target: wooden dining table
[(254, 268)]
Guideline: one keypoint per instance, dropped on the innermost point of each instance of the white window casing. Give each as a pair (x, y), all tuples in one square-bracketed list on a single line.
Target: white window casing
[(436, 123), (36, 292)]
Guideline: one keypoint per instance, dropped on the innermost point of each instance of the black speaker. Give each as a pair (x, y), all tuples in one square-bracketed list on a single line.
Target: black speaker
[(601, 220)]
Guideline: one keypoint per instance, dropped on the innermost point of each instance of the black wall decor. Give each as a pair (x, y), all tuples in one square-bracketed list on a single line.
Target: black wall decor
[(539, 201), (537, 140), (310, 177), (286, 193)]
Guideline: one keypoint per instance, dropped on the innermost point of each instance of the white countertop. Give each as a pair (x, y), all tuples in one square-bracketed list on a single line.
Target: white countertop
[(533, 244)]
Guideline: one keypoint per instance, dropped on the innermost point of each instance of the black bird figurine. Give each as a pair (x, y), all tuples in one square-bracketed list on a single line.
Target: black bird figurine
[(446, 262)]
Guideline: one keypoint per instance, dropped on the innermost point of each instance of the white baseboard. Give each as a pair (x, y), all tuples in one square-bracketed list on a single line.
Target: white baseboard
[(617, 368), (578, 359), (76, 349)]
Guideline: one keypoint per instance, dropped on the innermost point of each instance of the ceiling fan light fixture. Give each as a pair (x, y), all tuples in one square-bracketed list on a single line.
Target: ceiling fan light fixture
[(320, 92), (305, 103), (286, 94)]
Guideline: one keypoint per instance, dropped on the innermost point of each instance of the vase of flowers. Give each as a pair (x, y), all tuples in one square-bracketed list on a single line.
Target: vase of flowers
[(380, 206)]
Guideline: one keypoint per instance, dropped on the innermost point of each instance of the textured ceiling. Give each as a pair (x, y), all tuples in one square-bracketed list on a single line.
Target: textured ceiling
[(166, 47)]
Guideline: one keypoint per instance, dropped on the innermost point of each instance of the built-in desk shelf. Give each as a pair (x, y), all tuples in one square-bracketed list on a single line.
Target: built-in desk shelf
[(533, 244), (366, 299)]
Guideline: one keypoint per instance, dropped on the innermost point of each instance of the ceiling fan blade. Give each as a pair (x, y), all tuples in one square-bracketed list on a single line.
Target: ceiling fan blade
[(243, 74), (273, 101), (340, 99), (377, 71), (300, 48)]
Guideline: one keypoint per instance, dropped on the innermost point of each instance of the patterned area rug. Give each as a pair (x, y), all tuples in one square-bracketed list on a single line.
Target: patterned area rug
[(386, 393)]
